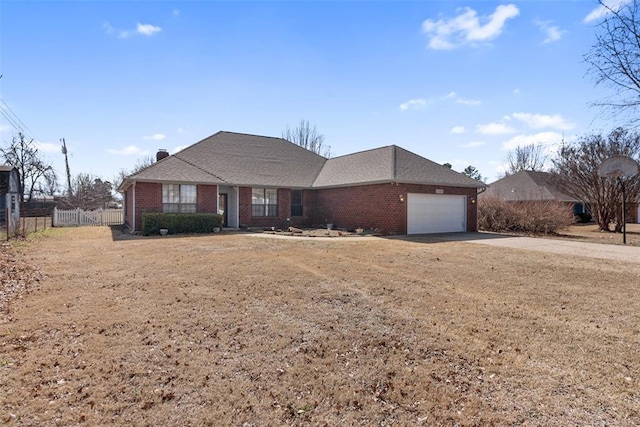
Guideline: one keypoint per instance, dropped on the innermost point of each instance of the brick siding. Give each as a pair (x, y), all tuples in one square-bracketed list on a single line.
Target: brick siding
[(149, 199), (377, 206), (207, 198)]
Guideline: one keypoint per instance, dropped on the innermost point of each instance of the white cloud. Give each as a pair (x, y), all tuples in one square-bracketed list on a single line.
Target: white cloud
[(147, 29), (467, 27), (457, 129), (144, 29), (468, 101), (418, 103), (473, 144), (155, 137), (413, 104), (121, 34), (131, 150), (538, 121), (605, 9), (517, 92), (494, 129), (176, 13), (48, 147), (552, 33), (542, 138), (462, 101), (108, 28)]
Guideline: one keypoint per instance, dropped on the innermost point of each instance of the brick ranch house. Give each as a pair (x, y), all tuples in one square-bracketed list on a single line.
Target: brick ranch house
[(527, 186), (258, 181)]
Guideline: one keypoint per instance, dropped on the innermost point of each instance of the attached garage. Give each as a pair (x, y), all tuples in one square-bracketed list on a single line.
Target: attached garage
[(436, 213)]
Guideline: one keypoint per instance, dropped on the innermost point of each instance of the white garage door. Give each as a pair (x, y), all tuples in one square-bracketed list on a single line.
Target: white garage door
[(436, 213)]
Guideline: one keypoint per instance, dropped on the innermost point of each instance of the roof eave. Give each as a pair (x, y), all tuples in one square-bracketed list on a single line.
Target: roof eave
[(390, 181)]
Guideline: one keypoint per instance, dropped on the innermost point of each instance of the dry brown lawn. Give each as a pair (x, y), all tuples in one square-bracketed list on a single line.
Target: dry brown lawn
[(592, 233), (231, 329)]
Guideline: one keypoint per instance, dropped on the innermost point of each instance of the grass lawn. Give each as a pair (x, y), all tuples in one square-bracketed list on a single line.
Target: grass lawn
[(231, 329), (591, 233)]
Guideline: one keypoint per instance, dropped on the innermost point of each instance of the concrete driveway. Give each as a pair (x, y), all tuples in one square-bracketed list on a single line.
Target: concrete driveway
[(541, 244)]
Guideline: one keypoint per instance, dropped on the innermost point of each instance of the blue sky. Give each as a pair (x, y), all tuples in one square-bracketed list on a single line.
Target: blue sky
[(454, 81)]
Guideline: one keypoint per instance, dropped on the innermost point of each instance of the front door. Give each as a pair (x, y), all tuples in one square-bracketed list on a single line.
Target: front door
[(222, 207)]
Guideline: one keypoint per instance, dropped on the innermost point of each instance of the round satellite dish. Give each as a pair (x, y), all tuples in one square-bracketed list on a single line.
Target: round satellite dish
[(618, 167)]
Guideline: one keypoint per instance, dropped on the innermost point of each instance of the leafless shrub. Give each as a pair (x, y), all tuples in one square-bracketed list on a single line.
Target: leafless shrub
[(534, 217)]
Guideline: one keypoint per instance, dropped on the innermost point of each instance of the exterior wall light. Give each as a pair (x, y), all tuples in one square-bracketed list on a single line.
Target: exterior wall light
[(401, 198)]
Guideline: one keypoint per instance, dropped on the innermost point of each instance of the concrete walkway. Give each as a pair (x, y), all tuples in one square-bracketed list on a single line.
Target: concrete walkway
[(553, 246)]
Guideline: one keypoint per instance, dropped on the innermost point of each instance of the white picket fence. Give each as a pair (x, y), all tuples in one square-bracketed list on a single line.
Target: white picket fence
[(79, 217)]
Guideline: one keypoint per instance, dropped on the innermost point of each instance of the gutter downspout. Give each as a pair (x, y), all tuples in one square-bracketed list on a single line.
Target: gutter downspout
[(133, 208), (237, 206)]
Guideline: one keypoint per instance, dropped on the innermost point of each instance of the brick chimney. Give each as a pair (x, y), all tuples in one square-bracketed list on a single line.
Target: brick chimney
[(161, 154)]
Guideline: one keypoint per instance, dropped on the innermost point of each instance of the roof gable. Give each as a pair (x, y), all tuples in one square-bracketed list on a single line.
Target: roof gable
[(364, 167), (175, 169), (528, 185), (239, 159), (250, 160), (414, 169), (389, 164)]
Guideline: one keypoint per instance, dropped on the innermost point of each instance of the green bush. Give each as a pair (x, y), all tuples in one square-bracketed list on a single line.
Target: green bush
[(180, 223), (535, 217)]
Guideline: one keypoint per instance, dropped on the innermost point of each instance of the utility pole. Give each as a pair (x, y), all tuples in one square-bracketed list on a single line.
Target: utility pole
[(66, 161)]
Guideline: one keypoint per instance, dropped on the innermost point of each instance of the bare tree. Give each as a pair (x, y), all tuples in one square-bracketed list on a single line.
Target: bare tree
[(613, 58), (24, 156), (89, 192), (141, 164), (50, 185), (576, 173), (307, 137), (526, 158)]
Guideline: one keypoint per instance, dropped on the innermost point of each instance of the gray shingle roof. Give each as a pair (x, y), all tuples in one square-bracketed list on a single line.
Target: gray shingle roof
[(528, 185), (250, 160), (411, 168), (240, 159), (174, 169), (386, 164)]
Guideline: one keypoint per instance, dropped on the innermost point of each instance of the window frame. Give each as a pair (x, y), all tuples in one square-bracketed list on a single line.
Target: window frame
[(179, 198), (297, 209), (261, 206)]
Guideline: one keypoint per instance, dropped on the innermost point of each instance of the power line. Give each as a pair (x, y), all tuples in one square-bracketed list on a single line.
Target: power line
[(13, 119)]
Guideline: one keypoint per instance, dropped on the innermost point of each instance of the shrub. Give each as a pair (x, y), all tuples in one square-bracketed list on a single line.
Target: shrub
[(178, 223), (584, 218), (536, 217)]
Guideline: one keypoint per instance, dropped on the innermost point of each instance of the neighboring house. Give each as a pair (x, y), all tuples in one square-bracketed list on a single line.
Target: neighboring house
[(258, 181), (9, 196), (532, 186)]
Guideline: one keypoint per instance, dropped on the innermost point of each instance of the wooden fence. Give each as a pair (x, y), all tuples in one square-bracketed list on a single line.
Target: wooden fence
[(79, 217)]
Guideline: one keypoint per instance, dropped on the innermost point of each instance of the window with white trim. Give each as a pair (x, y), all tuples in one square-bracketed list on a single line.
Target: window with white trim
[(264, 202), (179, 198)]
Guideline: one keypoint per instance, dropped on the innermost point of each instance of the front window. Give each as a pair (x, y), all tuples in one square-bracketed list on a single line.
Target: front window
[(179, 198), (264, 202), (296, 202)]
